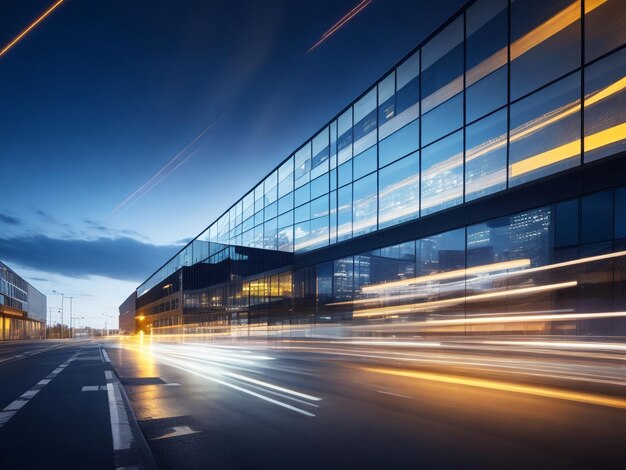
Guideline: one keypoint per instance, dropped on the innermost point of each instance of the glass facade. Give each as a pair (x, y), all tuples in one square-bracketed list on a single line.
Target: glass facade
[(22, 307), (506, 93)]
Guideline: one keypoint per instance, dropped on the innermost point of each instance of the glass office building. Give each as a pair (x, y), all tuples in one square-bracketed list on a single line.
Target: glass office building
[(22, 307), (479, 186)]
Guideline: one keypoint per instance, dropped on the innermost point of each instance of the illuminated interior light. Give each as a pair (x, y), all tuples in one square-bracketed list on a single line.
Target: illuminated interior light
[(535, 390)]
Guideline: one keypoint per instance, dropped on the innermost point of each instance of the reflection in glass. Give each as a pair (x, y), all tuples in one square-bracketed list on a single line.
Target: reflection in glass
[(344, 213), (605, 107), (398, 196), (285, 179), (485, 156), (408, 96), (303, 165), (486, 57), (442, 66), (605, 27), (442, 120), (545, 42), (442, 174), (399, 144), (545, 132), (364, 163), (364, 207), (365, 122), (344, 139)]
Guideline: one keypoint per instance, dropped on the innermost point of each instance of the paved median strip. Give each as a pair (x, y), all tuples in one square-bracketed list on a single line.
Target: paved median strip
[(9, 411)]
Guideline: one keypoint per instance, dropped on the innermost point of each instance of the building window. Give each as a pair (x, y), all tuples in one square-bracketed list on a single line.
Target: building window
[(545, 132)]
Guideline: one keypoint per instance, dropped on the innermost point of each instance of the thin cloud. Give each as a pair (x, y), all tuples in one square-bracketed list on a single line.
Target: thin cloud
[(117, 258), (171, 166), (339, 24), (9, 220)]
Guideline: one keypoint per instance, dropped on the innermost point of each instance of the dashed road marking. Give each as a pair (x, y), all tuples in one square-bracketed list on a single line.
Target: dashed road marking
[(93, 388), (106, 356), (9, 411)]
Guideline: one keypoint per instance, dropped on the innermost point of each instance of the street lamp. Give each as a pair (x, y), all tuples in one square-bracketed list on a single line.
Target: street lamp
[(62, 303)]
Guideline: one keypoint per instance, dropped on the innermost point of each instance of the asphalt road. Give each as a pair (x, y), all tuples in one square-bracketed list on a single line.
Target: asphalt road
[(327, 406), (55, 408)]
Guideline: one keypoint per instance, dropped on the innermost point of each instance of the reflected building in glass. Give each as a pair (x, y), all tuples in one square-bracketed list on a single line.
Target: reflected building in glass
[(478, 187), (22, 308)]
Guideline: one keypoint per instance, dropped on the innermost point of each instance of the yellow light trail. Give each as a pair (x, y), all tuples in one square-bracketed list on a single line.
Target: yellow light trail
[(27, 30), (546, 392)]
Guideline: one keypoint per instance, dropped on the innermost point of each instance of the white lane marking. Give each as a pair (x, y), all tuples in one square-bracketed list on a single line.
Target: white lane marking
[(90, 388), (394, 394), (105, 355), (177, 431), (120, 427), (9, 411), (30, 394), (173, 384), (15, 405)]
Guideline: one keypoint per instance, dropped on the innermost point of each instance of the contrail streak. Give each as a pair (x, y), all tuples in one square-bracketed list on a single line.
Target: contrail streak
[(171, 166), (347, 17), (27, 30)]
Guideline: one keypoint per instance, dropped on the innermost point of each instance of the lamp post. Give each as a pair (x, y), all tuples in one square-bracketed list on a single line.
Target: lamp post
[(62, 303), (71, 335)]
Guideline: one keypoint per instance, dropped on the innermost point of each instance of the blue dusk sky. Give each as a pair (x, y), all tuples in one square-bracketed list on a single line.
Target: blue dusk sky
[(100, 96)]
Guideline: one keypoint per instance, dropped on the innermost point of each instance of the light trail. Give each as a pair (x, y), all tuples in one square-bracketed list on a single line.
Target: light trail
[(171, 166), (19, 37), (339, 24), (421, 306), (546, 392)]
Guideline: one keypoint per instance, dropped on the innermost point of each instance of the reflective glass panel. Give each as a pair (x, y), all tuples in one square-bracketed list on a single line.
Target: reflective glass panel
[(545, 132), (442, 120), (285, 178), (398, 196), (605, 107), (319, 186), (442, 174), (285, 238), (365, 205), (344, 213), (605, 27), (319, 207), (407, 91), (320, 148), (545, 42), (365, 122), (285, 203), (344, 139), (364, 163), (303, 165), (485, 156), (386, 99), (442, 66), (399, 144), (486, 57)]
